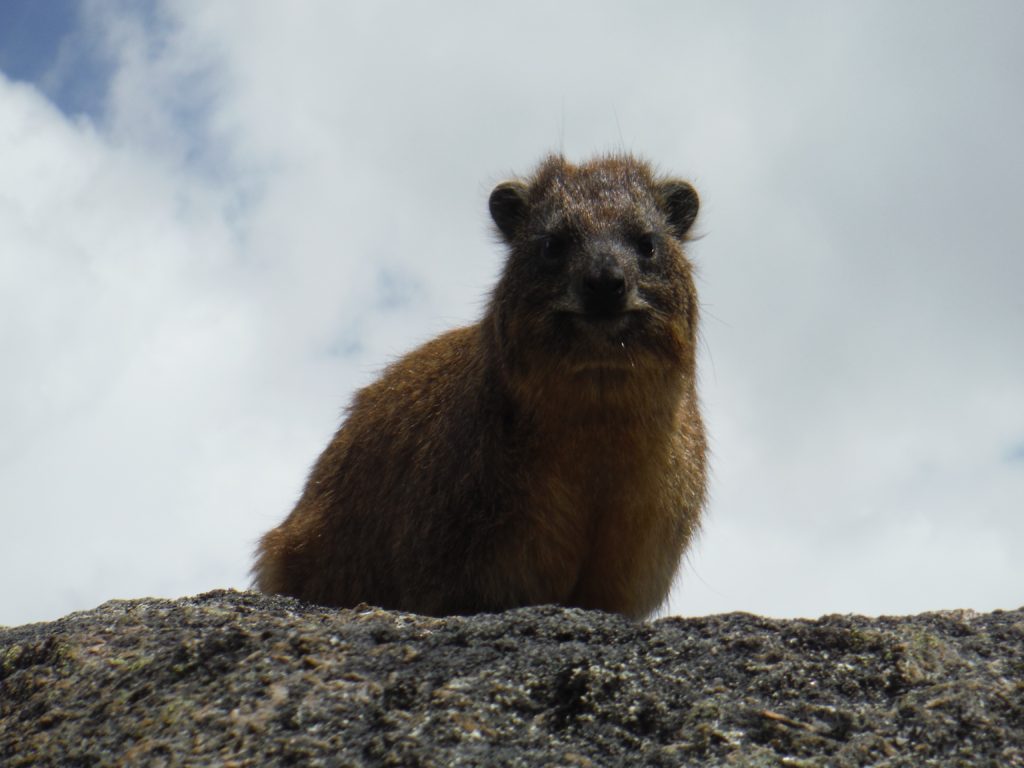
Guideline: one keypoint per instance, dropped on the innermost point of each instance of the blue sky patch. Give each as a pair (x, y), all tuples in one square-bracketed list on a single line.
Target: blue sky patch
[(66, 51), (46, 44)]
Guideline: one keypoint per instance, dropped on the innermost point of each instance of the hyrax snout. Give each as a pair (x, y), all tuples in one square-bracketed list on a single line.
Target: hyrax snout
[(553, 452), (601, 287)]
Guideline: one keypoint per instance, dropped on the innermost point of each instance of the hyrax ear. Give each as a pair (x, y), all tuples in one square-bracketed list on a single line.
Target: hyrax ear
[(508, 207), (680, 203)]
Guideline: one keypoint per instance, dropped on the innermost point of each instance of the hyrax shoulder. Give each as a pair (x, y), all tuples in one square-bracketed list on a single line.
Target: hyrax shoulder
[(551, 453)]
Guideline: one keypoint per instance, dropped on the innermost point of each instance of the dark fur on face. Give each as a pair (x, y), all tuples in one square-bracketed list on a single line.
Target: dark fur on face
[(596, 284)]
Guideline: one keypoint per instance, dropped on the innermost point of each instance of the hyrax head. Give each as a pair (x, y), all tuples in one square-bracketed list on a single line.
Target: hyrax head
[(596, 277)]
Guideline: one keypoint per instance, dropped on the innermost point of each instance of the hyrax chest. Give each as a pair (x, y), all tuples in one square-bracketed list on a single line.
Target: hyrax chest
[(601, 527)]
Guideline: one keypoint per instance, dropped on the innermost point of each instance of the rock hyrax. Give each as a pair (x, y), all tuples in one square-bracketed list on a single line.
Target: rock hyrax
[(551, 453)]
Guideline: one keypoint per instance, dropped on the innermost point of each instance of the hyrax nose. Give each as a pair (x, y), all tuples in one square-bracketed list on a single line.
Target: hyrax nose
[(603, 287)]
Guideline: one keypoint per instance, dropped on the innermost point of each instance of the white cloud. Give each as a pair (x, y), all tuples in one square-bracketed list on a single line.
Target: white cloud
[(277, 201)]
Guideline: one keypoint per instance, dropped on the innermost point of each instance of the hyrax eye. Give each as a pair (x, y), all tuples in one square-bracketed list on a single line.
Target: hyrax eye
[(553, 248), (646, 245)]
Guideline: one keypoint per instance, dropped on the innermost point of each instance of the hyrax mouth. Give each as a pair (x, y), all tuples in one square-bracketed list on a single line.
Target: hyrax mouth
[(605, 325), (604, 340)]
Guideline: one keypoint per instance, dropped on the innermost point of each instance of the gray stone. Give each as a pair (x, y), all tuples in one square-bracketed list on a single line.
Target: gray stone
[(241, 679)]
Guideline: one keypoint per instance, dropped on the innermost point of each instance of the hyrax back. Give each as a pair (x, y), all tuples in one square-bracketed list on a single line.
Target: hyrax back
[(551, 453)]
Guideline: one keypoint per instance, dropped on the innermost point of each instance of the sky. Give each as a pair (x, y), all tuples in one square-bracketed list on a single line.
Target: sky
[(218, 220)]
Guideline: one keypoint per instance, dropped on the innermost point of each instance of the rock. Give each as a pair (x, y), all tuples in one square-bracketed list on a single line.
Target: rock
[(242, 679)]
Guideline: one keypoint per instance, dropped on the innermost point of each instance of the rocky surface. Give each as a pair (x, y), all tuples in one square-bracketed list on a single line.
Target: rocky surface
[(241, 679)]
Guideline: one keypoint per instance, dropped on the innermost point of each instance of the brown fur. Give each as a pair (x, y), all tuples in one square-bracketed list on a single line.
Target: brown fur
[(551, 453)]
